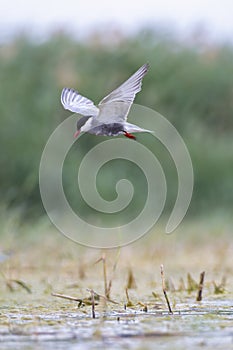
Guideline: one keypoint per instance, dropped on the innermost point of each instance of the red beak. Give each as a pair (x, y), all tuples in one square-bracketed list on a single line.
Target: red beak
[(76, 133)]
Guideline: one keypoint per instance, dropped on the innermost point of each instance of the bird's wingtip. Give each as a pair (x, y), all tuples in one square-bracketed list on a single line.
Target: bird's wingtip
[(147, 66)]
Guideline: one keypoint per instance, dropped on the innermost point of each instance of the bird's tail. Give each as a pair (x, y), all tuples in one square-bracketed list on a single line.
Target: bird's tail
[(134, 128)]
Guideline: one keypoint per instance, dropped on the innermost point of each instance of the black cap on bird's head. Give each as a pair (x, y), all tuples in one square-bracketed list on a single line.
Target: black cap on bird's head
[(80, 123)]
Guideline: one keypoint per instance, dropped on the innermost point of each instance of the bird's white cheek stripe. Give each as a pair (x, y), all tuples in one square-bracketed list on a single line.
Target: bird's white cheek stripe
[(101, 235), (87, 125)]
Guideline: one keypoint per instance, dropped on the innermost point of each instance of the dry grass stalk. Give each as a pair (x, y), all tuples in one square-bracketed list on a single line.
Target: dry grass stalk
[(102, 296), (129, 302), (9, 283), (105, 276), (131, 283), (113, 272), (92, 302), (181, 287), (201, 284), (221, 287), (192, 284), (164, 289), (66, 297), (103, 259)]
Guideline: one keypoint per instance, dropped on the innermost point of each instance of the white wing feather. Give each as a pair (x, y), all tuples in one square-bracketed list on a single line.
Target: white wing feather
[(77, 103), (126, 92), (115, 106)]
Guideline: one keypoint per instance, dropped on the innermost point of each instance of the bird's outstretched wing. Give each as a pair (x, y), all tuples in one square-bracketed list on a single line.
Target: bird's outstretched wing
[(77, 103), (126, 92), (115, 106)]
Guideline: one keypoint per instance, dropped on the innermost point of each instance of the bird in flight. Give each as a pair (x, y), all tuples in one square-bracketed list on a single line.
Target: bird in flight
[(109, 118)]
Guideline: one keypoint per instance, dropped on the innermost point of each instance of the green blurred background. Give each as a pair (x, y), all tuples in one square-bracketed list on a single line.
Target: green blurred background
[(190, 84)]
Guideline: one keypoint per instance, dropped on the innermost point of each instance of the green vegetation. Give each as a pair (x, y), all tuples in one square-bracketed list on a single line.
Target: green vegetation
[(192, 86)]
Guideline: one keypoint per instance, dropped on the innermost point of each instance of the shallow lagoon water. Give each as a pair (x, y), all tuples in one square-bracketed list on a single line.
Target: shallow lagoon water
[(196, 325)]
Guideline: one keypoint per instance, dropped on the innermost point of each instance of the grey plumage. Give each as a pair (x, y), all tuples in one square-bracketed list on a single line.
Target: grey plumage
[(110, 117)]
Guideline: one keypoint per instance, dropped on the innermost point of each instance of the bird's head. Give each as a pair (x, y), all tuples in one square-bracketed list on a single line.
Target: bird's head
[(81, 125)]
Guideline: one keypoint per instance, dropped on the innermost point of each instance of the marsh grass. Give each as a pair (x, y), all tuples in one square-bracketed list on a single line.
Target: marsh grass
[(56, 260)]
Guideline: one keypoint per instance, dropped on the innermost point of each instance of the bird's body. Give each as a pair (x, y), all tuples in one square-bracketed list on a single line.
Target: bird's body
[(110, 117)]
